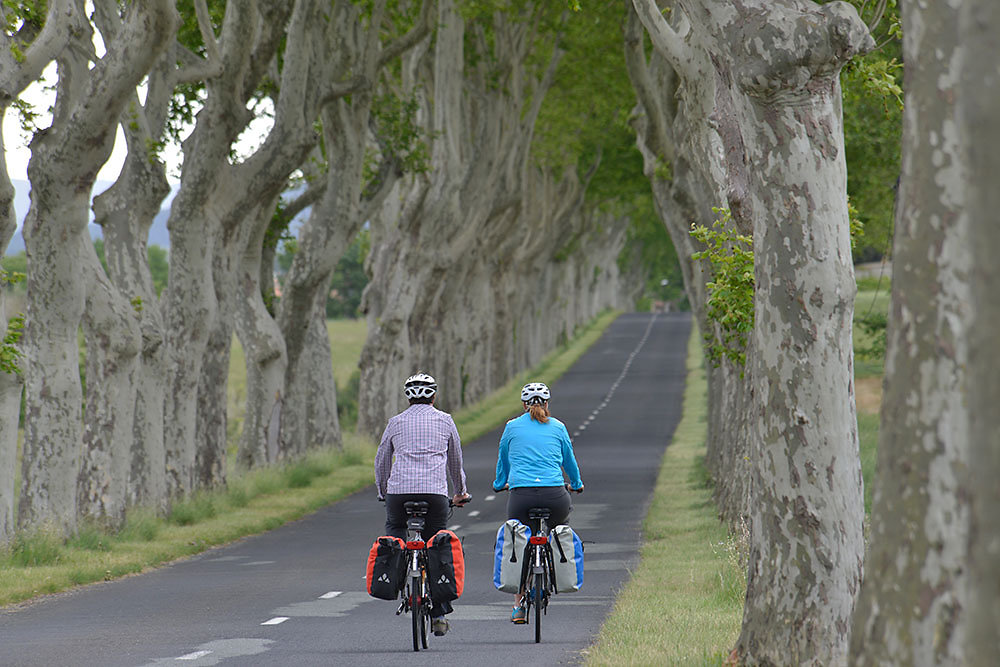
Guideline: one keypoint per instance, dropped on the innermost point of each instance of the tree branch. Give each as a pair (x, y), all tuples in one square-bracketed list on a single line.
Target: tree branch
[(638, 68), (338, 89), (207, 32), (665, 38), (402, 44), (62, 20)]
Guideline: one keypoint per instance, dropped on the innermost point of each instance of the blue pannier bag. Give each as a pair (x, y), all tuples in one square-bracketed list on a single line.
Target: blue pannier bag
[(512, 538), (567, 558)]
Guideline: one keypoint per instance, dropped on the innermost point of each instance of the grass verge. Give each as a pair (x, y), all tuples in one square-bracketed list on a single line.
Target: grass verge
[(684, 602), (40, 563)]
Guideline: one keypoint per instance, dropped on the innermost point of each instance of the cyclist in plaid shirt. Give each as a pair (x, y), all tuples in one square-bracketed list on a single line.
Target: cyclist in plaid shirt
[(419, 452)]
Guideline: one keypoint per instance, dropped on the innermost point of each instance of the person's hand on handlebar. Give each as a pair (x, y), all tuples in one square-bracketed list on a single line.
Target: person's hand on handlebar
[(570, 488), (505, 487), (460, 499)]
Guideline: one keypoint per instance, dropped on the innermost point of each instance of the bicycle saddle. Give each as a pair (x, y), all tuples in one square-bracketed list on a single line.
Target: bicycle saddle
[(416, 508), (539, 513)]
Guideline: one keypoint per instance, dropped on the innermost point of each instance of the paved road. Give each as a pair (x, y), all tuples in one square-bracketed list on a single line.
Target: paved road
[(296, 596)]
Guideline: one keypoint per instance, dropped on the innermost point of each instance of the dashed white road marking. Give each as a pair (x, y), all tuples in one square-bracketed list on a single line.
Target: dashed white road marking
[(455, 527), (490, 497), (474, 513), (332, 594), (193, 656), (277, 620)]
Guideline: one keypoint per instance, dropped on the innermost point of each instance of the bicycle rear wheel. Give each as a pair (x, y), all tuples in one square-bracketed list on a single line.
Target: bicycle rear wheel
[(537, 594), (416, 612)]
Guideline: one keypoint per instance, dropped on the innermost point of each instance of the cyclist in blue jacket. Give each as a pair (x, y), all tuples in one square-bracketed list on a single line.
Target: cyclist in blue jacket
[(534, 451)]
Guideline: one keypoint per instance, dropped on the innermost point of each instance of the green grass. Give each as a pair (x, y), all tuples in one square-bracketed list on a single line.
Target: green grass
[(683, 605), (684, 602), (868, 302), (37, 563)]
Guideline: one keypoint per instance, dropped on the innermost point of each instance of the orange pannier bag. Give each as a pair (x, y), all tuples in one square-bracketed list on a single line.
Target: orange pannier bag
[(445, 566), (386, 571)]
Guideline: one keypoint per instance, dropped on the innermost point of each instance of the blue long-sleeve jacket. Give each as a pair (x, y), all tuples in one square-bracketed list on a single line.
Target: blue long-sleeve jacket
[(535, 454)]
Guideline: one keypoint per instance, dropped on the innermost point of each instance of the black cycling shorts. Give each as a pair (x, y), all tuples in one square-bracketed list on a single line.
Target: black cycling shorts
[(523, 498), (395, 517)]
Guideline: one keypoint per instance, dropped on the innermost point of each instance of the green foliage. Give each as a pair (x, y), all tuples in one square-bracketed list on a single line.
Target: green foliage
[(649, 245), (730, 292), (22, 17), (26, 114), (401, 139), (347, 401), (159, 267), (349, 279), (9, 352), (872, 94), (874, 326), (857, 227), (99, 249)]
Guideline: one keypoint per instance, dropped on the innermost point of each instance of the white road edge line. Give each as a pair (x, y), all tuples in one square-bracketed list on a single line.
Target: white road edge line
[(193, 656), (277, 620), (332, 594)]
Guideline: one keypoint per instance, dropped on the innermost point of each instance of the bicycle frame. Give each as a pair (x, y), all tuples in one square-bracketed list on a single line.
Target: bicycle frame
[(537, 581), (416, 598)]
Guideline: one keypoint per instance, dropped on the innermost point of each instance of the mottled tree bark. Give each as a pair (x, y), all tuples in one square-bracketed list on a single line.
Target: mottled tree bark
[(245, 46), (19, 67), (433, 251), (912, 602), (311, 408), (65, 160), (776, 106), (979, 117), (111, 326)]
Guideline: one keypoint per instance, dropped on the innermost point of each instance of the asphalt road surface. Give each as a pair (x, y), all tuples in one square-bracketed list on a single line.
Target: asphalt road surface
[(296, 595)]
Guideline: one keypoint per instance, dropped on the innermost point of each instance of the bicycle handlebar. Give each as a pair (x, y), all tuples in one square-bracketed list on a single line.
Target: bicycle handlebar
[(569, 488)]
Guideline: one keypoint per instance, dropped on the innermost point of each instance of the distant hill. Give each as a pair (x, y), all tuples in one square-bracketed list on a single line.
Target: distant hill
[(157, 234)]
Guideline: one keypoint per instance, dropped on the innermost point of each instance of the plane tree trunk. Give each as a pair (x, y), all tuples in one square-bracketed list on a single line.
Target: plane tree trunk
[(980, 118), (684, 160), (481, 135), (342, 207), (65, 160), (198, 213), (19, 67), (777, 107), (930, 591)]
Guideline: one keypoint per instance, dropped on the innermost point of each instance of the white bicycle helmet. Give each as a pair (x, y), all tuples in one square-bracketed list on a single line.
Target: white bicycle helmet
[(534, 393), (420, 385)]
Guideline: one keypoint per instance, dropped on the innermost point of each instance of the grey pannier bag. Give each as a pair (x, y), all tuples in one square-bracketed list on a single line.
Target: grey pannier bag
[(567, 559), (512, 539)]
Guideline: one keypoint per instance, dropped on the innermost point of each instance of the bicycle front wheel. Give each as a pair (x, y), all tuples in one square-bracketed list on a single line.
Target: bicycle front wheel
[(537, 594), (416, 611)]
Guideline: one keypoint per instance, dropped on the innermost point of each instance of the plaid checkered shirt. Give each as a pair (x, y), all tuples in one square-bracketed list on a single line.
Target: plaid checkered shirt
[(419, 452)]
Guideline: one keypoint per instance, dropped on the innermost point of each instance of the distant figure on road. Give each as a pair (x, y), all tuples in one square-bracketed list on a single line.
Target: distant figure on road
[(534, 451), (420, 450)]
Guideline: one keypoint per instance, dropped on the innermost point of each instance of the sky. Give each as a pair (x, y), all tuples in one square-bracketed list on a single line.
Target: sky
[(41, 98)]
